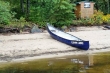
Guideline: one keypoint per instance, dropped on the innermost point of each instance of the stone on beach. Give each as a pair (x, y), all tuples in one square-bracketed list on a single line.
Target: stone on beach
[(35, 29)]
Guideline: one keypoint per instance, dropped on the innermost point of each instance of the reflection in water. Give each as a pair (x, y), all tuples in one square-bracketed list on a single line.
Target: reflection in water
[(56, 65), (68, 64)]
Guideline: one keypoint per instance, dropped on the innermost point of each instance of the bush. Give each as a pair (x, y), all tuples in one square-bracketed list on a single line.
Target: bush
[(5, 14), (56, 12), (106, 18), (98, 18)]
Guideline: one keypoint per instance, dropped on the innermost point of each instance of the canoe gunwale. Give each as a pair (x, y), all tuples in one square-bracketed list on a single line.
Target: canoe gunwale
[(66, 33), (84, 45)]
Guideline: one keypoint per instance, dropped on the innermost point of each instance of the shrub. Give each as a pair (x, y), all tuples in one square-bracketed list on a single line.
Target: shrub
[(19, 23), (56, 12), (97, 17), (5, 14), (106, 18), (100, 18)]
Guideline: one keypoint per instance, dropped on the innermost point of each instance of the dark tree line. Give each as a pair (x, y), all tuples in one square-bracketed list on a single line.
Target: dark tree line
[(42, 11)]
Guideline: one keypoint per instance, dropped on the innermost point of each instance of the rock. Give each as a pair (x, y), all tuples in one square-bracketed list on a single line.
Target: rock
[(72, 29), (35, 29)]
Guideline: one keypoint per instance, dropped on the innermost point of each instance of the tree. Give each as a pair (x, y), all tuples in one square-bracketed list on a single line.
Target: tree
[(22, 5), (102, 5), (57, 12), (5, 13)]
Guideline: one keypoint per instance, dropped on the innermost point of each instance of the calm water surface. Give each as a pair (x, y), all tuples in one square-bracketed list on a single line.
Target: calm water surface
[(67, 64)]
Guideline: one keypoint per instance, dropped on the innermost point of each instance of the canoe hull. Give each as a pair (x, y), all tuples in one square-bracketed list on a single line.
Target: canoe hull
[(84, 45)]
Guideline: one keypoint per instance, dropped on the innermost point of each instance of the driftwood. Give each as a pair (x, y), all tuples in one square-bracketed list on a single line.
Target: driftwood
[(9, 30), (27, 29), (107, 26)]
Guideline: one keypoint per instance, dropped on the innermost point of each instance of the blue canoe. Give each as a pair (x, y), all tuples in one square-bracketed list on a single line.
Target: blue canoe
[(67, 38)]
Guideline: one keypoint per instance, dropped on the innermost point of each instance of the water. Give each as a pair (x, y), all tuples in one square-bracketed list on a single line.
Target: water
[(51, 65), (67, 64)]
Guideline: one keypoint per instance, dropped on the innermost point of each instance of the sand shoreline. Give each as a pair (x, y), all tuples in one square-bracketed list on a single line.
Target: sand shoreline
[(24, 47)]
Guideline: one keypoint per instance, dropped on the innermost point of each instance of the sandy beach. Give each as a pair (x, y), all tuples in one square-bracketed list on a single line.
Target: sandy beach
[(22, 47)]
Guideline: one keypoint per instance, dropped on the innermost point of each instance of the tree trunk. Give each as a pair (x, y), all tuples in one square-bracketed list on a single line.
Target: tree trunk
[(28, 6), (105, 6), (22, 5), (108, 6)]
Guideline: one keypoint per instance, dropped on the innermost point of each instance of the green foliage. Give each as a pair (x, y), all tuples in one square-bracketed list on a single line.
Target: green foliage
[(103, 5), (57, 12), (22, 19), (5, 14), (19, 23), (98, 18), (106, 18)]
